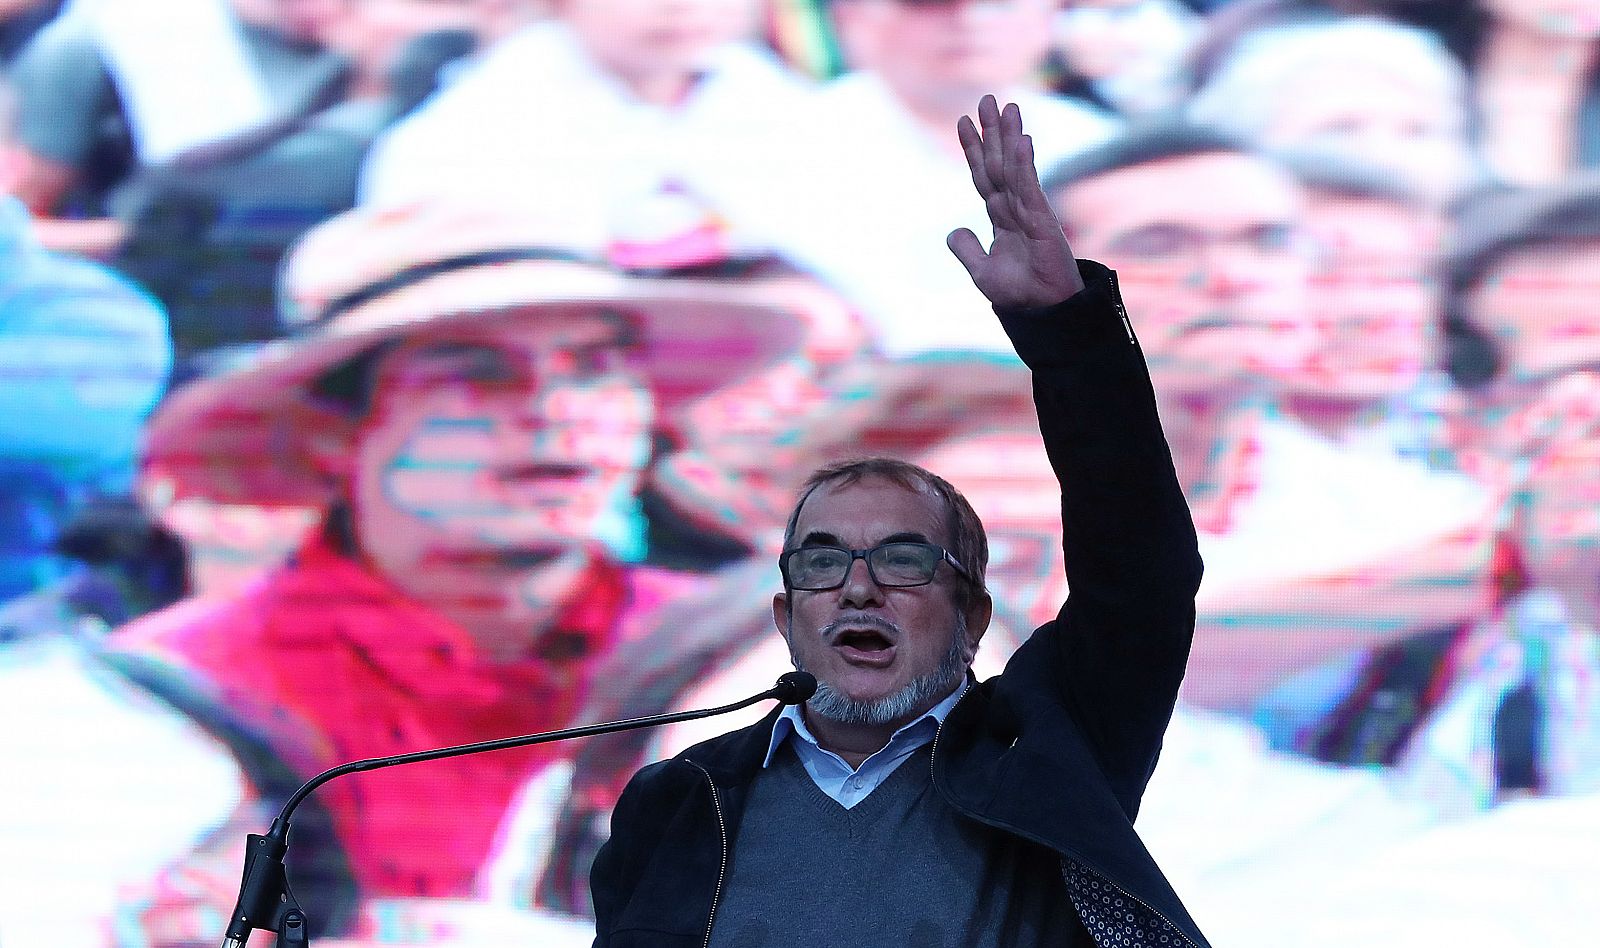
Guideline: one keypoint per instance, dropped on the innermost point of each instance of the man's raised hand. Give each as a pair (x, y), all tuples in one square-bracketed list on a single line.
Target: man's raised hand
[(1030, 263)]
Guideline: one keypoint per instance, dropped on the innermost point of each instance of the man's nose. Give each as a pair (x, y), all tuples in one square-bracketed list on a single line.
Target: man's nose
[(1227, 271), (532, 409), (544, 400), (859, 591)]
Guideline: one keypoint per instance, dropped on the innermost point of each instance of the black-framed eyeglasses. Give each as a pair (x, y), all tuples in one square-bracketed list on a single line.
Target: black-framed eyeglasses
[(899, 564)]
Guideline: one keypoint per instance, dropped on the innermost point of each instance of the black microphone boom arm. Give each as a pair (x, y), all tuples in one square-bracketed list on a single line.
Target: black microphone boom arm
[(265, 901)]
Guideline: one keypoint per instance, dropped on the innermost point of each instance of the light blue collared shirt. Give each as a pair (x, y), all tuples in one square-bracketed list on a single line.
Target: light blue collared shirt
[(846, 785)]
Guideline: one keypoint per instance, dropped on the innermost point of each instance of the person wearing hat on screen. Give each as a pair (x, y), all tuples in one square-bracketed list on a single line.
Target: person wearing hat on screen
[(472, 414)]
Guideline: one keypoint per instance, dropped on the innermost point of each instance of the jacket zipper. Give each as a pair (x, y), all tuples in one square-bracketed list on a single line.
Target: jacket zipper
[(934, 751), (1127, 324), (722, 871), (939, 729)]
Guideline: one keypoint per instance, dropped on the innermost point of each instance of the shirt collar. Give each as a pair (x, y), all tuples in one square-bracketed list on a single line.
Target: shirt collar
[(790, 721)]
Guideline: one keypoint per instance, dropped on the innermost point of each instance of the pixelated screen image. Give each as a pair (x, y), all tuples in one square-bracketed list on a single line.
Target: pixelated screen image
[(381, 375)]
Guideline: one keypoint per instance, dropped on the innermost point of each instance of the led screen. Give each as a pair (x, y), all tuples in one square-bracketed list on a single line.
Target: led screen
[(382, 375)]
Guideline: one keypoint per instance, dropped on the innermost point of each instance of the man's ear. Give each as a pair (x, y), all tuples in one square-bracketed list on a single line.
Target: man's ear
[(780, 614), (978, 613)]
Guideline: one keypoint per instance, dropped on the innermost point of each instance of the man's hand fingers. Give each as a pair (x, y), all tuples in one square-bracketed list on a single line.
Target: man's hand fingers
[(1030, 203), (972, 147), (1001, 129), (1003, 212), (1029, 263), (968, 249), (1016, 152), (994, 162), (1010, 132)]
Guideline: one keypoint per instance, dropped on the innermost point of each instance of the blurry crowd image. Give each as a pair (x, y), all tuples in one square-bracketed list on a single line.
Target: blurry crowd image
[(380, 375)]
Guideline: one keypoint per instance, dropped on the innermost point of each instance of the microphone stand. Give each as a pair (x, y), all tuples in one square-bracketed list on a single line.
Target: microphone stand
[(265, 901)]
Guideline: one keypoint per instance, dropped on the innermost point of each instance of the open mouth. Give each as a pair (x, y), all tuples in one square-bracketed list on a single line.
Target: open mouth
[(541, 484), (544, 471), (863, 640), (492, 559), (864, 646)]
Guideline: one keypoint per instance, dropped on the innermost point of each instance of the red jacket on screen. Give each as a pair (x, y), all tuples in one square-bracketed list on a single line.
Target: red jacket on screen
[(321, 662)]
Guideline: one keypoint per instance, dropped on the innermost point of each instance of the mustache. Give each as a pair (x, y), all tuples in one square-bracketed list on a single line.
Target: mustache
[(891, 631)]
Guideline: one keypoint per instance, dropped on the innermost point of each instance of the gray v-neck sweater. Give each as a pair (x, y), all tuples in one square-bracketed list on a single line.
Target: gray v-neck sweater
[(900, 868)]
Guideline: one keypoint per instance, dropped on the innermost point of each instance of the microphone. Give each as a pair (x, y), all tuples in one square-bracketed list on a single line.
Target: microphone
[(794, 687), (265, 901)]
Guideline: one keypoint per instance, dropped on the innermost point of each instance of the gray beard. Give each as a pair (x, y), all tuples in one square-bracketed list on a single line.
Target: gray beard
[(924, 691)]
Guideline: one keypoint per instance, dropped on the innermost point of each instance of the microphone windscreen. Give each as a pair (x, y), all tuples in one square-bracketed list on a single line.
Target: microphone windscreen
[(795, 687)]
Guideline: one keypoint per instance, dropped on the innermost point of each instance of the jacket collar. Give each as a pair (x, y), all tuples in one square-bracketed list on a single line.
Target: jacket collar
[(736, 757)]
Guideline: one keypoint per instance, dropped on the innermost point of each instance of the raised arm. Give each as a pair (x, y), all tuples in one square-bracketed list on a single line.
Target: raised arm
[(1116, 654)]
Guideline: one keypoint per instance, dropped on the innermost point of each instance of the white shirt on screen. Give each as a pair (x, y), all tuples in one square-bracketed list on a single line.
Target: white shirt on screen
[(105, 785), (182, 71), (1322, 508), (1271, 850), (536, 122)]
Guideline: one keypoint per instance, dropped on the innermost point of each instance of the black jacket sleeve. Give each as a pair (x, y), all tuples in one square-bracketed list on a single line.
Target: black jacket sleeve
[(618, 864), (1121, 641)]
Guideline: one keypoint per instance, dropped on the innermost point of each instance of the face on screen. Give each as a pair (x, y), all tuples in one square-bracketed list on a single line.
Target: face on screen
[(1101, 38), (1538, 304), (1372, 307), (738, 423), (1559, 17), (955, 49), (1210, 258), (639, 39), (491, 449), (1410, 124)]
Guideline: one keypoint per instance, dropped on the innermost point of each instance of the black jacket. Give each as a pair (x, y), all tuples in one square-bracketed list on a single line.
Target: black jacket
[(1059, 747)]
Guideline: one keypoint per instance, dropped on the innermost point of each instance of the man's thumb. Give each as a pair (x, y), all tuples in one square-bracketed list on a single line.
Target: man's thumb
[(967, 248)]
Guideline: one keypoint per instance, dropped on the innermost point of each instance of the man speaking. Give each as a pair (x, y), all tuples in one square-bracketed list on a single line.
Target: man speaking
[(906, 804)]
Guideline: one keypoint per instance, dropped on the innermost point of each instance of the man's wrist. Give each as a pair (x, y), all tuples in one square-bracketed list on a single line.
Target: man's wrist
[(1042, 298), (1063, 333)]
